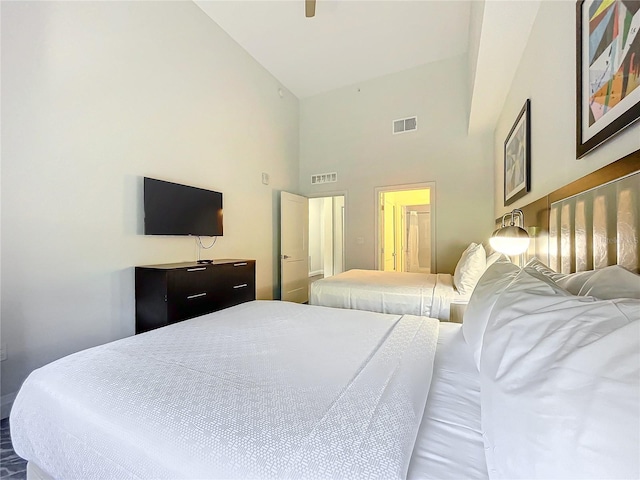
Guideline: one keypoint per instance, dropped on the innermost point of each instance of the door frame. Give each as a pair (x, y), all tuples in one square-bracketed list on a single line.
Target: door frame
[(338, 193), (409, 186)]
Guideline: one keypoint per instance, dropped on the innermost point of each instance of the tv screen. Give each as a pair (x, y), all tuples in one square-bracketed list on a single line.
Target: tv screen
[(174, 209)]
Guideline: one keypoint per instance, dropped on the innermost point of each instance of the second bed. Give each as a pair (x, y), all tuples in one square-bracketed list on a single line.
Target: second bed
[(426, 294)]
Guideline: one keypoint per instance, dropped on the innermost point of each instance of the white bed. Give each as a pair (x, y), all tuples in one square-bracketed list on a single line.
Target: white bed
[(261, 390), (428, 294), (536, 383)]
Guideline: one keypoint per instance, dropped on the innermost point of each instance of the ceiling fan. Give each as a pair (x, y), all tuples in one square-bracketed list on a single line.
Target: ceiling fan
[(309, 8)]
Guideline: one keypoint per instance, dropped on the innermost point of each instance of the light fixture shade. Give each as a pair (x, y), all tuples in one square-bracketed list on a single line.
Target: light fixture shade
[(510, 240)]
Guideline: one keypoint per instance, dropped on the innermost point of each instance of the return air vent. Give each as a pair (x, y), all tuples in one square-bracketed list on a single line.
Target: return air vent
[(405, 125), (324, 178)]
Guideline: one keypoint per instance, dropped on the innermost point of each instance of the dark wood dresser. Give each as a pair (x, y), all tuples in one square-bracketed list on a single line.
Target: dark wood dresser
[(173, 292)]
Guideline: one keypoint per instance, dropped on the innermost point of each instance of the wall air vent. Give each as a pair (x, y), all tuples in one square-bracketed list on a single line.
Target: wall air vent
[(324, 178), (405, 125)]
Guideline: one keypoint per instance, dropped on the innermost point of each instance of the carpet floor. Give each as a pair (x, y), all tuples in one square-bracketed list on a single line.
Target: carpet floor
[(12, 467)]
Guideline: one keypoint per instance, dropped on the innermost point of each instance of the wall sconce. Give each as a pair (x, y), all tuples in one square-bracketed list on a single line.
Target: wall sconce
[(511, 239)]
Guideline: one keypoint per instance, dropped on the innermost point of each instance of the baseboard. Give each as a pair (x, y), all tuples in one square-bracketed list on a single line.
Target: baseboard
[(317, 272), (6, 402)]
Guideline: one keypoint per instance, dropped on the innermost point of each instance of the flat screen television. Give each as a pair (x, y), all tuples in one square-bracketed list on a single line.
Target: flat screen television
[(174, 209)]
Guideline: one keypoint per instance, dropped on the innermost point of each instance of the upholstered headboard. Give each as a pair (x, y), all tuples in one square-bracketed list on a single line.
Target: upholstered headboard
[(590, 223)]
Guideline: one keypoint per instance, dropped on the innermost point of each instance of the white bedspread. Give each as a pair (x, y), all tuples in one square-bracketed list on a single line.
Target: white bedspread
[(261, 390), (428, 294)]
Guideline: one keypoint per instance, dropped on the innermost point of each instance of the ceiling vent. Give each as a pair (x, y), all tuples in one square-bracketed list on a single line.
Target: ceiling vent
[(405, 125), (324, 178)]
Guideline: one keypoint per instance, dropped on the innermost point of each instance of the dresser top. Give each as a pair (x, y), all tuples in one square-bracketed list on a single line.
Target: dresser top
[(217, 261)]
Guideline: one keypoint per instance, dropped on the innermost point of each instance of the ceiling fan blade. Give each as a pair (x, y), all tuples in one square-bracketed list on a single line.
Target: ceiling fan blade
[(309, 8)]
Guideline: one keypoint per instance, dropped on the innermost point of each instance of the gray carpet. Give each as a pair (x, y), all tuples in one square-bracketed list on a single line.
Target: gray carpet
[(12, 467)]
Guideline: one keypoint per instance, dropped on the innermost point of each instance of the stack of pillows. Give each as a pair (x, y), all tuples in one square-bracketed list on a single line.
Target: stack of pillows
[(472, 265), (559, 362)]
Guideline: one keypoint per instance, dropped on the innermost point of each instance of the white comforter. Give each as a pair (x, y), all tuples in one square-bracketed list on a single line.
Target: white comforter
[(261, 390), (428, 294)]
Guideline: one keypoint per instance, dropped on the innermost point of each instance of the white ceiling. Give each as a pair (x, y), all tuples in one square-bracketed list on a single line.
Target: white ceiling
[(348, 41), (351, 41)]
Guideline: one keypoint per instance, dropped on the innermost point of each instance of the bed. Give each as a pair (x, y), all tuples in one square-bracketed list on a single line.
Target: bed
[(272, 389), (265, 389), (428, 294), (541, 380)]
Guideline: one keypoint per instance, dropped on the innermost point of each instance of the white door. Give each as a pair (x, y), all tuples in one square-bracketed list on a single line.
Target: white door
[(294, 248)]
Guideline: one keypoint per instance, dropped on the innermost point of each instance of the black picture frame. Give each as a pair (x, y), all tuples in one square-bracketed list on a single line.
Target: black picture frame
[(517, 157), (591, 132)]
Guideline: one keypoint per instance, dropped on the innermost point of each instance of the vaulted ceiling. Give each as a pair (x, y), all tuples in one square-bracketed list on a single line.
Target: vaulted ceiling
[(351, 41)]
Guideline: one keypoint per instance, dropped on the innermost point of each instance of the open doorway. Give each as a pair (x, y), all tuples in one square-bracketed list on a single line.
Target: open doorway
[(405, 240), (326, 236)]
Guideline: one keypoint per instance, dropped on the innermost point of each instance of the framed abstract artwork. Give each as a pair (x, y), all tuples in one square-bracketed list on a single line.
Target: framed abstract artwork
[(517, 157), (608, 70)]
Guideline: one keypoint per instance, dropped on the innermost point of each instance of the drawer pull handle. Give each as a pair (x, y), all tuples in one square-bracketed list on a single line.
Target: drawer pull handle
[(240, 286), (196, 295), (196, 269), (240, 264)]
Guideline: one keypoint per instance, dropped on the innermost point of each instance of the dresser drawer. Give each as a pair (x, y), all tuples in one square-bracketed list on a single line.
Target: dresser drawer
[(191, 306), (239, 293), (238, 273), (185, 282), (191, 292), (237, 283)]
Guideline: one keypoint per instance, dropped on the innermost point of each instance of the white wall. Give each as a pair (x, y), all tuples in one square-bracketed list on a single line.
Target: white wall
[(349, 131), (96, 95), (547, 75)]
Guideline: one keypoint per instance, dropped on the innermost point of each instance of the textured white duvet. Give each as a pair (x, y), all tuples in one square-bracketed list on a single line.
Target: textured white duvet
[(261, 390), (428, 294)]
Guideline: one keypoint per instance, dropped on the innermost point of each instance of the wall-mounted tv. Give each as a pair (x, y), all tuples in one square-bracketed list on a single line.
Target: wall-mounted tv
[(174, 209)]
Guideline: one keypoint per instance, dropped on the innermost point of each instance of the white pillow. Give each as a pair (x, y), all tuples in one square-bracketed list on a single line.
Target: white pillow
[(611, 282), (606, 283), (560, 384), (494, 280), (536, 264), (469, 269), (494, 257), (573, 282)]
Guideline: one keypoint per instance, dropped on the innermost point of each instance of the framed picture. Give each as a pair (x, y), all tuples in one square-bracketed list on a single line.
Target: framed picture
[(608, 70), (517, 157)]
